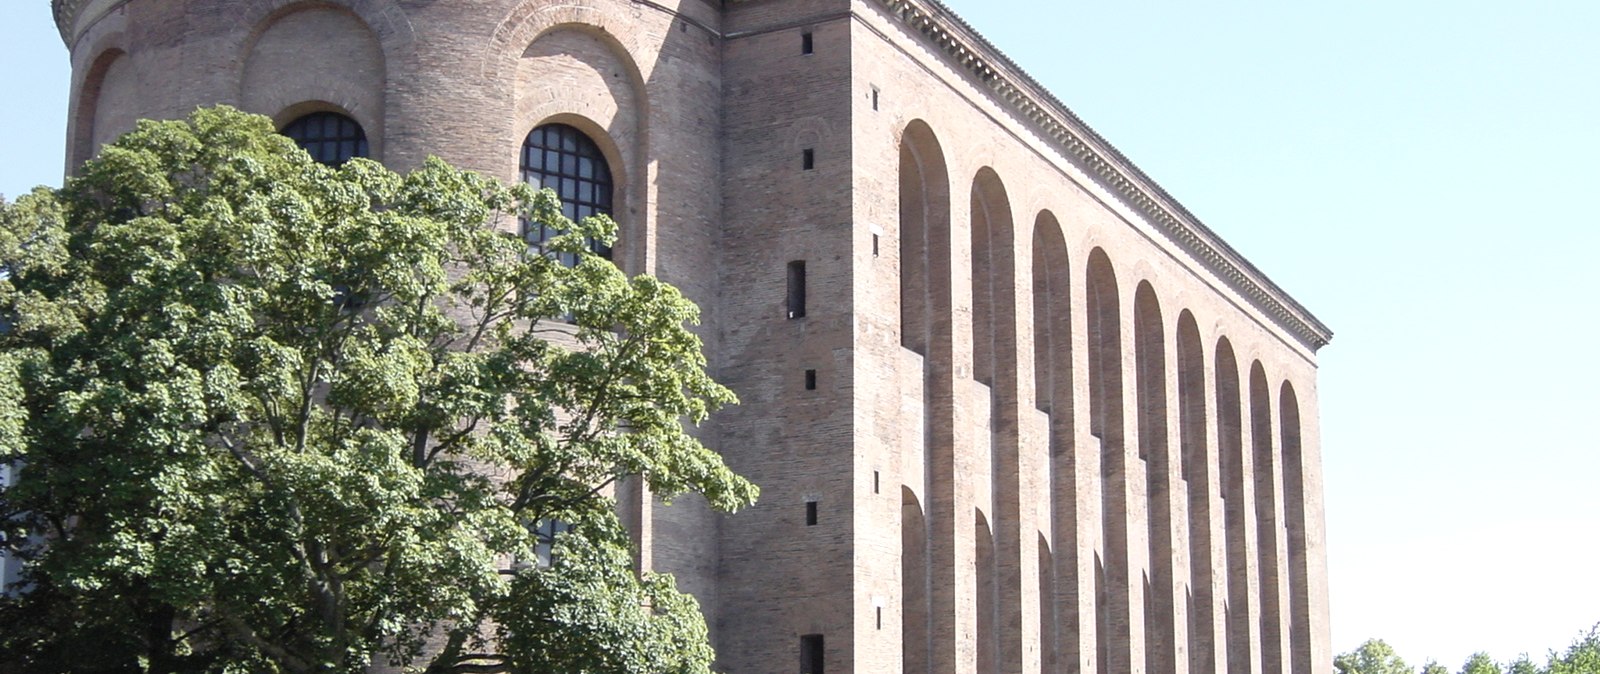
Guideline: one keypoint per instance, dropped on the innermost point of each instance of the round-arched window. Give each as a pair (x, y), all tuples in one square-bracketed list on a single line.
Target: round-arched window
[(329, 137), (563, 159)]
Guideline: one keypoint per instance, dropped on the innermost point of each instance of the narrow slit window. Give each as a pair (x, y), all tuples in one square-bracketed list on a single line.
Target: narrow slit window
[(811, 380), (874, 98), (880, 617), (875, 482), (811, 654), (811, 513), (808, 159), (806, 43), (874, 245), (797, 289)]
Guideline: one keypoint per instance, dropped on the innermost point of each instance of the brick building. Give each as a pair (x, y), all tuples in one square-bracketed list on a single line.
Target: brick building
[(1012, 407)]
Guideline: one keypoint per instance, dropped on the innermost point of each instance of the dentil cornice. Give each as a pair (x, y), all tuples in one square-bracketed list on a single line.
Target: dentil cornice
[(1030, 101)]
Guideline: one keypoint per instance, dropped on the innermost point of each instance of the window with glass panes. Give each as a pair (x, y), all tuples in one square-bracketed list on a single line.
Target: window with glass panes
[(329, 137), (547, 530), (563, 159)]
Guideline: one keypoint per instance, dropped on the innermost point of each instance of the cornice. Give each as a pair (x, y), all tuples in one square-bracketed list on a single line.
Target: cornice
[(1014, 88), (64, 10)]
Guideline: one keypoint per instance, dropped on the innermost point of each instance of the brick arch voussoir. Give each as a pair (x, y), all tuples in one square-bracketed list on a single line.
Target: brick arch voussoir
[(1214, 333), (618, 146), (1081, 249), (85, 103), (530, 19), (1181, 306), (318, 88), (389, 24), (977, 158), (809, 132), (623, 153), (1142, 272), (1033, 200), (112, 41), (1182, 301)]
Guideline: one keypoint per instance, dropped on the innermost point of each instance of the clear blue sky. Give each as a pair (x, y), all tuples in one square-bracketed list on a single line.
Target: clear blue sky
[(1418, 174)]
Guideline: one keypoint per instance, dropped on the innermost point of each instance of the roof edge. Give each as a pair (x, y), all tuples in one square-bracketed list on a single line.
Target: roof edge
[(1013, 87), (63, 11)]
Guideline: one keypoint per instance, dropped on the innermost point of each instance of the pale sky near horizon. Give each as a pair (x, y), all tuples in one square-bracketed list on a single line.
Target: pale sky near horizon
[(1417, 173)]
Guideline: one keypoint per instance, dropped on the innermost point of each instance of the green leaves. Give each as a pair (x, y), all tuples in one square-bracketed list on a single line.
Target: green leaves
[(282, 417), (1376, 657)]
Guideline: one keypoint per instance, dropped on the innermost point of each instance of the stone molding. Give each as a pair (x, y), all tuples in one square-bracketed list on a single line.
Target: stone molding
[(64, 11)]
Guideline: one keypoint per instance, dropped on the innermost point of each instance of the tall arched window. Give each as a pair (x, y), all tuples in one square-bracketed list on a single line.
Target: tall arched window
[(329, 137), (563, 159)]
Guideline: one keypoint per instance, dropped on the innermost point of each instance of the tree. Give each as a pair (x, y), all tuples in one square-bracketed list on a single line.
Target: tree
[(1433, 667), (1480, 663), (1522, 665), (1371, 657), (1582, 657), (276, 416)]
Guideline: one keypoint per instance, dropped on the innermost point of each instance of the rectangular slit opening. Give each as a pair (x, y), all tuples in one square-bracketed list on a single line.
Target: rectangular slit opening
[(797, 289), (811, 513), (811, 380), (806, 43), (808, 159), (811, 654)]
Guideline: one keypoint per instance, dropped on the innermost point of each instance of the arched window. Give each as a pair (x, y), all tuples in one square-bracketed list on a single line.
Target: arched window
[(330, 138), (563, 159)]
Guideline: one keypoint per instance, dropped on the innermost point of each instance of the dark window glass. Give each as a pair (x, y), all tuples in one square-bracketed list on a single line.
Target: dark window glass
[(329, 137), (797, 289), (562, 158), (547, 530)]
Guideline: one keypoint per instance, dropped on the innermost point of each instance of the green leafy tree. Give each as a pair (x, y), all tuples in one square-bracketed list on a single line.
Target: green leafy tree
[(276, 416), (1480, 663), (1522, 665), (1433, 667), (1371, 657), (1582, 657)]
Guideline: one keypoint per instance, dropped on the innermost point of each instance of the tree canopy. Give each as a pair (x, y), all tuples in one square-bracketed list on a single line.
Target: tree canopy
[(276, 416), (1371, 657), (1376, 657)]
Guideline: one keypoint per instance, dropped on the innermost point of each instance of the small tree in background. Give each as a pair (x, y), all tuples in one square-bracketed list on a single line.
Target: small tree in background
[(1375, 657), (1371, 657), (275, 416), (1582, 657), (1480, 663)]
